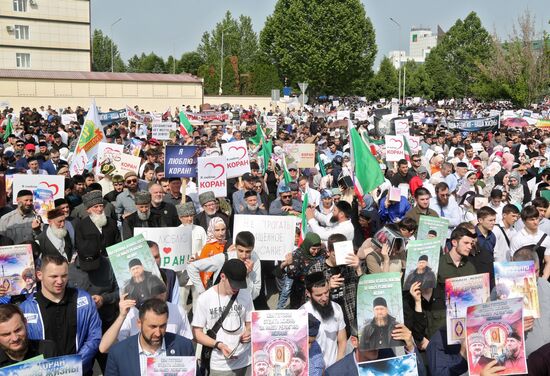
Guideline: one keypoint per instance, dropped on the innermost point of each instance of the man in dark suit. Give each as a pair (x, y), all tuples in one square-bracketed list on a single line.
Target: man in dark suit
[(127, 357), (55, 238), (143, 216), (88, 234), (52, 164)]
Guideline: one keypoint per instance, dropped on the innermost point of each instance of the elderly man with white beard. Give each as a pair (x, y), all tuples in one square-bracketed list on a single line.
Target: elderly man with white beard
[(142, 217), (210, 210), (21, 224), (97, 231), (55, 239)]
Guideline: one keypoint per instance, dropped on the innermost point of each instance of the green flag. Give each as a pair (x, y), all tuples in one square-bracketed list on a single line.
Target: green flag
[(286, 174), (321, 166), (9, 128), (267, 149), (303, 223), (366, 167), (259, 134), (185, 125)]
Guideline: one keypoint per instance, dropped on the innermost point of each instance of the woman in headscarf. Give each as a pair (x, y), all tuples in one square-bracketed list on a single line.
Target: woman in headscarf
[(514, 189), (469, 185), (215, 243)]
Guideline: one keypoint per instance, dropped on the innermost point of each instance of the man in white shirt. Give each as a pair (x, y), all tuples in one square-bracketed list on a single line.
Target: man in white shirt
[(332, 336), (341, 218), (313, 196), (504, 231), (532, 235), (495, 203), (445, 205)]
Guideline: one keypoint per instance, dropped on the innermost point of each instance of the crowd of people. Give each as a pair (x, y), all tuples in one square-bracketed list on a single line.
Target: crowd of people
[(490, 185)]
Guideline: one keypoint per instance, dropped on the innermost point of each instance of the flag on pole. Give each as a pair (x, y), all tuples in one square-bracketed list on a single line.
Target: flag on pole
[(368, 175), (9, 128), (185, 125), (322, 170), (407, 149), (267, 149), (259, 134), (286, 173), (88, 142), (371, 142), (303, 223)]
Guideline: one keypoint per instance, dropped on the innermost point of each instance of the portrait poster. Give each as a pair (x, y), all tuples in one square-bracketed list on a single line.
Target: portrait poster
[(43, 201), (68, 365), (302, 155), (433, 227), (379, 304), (17, 264), (518, 279), (174, 244), (460, 293), (280, 342), (495, 332), (125, 258), (422, 263), (171, 365), (400, 365), (53, 183)]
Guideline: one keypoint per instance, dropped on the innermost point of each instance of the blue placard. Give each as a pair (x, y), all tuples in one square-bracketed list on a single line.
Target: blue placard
[(181, 161)]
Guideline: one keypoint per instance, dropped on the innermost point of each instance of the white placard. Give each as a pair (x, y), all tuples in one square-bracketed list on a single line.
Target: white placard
[(174, 244), (236, 155), (127, 163), (212, 175), (274, 234), (340, 115), (78, 163), (414, 143), (106, 155), (417, 117), (395, 150), (67, 118), (342, 250), (54, 183), (401, 126), (161, 131), (477, 146)]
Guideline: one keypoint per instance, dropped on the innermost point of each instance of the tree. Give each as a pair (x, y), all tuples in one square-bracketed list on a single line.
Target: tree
[(189, 62), (384, 84), (101, 54), (417, 81), (452, 65), (520, 68), (147, 64), (264, 78), (328, 43)]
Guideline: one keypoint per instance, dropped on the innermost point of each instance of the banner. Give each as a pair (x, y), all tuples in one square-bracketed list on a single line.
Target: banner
[(274, 234), (174, 244), (171, 365), (69, 365), (111, 117), (236, 156), (543, 123), (206, 116), (180, 161), (17, 269), (90, 136), (66, 119), (54, 183), (302, 155), (280, 342), (488, 124), (395, 150), (161, 131), (212, 175), (132, 114)]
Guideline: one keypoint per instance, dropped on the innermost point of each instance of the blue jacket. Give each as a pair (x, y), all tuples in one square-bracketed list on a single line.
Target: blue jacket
[(124, 356), (88, 326), (395, 212)]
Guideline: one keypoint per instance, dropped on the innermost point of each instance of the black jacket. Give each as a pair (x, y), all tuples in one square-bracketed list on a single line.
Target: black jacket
[(47, 247), (132, 221), (37, 347), (89, 239), (168, 212)]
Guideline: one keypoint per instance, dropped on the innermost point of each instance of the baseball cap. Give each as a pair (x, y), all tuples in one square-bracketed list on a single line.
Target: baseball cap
[(235, 271), (30, 147)]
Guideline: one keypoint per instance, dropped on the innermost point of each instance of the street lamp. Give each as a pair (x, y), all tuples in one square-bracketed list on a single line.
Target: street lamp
[(399, 58), (112, 52), (220, 90)]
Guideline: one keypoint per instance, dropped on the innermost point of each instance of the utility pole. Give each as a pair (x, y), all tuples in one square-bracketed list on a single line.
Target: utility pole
[(112, 42), (220, 91), (399, 57)]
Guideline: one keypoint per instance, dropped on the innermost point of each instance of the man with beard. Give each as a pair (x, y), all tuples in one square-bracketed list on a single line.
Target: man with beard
[(210, 210), (251, 204), (22, 223), (63, 205), (423, 274), (422, 199), (125, 204), (55, 239), (476, 350), (80, 212), (129, 357), (332, 331), (285, 204), (377, 334), (513, 357), (97, 231), (162, 208), (15, 346), (298, 364), (262, 365), (341, 222), (445, 205), (142, 217), (238, 198), (141, 283)]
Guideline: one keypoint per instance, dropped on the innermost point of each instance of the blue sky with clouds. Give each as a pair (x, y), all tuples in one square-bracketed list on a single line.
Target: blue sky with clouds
[(169, 27)]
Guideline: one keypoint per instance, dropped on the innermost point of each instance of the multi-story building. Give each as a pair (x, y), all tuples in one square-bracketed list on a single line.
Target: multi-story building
[(45, 35), (421, 42)]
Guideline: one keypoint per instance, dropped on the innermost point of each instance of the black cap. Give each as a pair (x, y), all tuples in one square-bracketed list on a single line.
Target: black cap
[(24, 192), (423, 258), (235, 272), (248, 176), (134, 262), (315, 278), (379, 301)]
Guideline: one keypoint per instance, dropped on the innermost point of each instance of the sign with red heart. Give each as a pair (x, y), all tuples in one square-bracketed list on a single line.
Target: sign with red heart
[(212, 175), (238, 161), (53, 183), (394, 148)]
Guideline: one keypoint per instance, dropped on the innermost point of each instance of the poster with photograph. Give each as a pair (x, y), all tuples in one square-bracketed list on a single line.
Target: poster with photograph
[(460, 293), (400, 365), (171, 365), (174, 244), (379, 304), (495, 332), (43, 201), (68, 365), (133, 264), (433, 227), (107, 154), (280, 342), (302, 155), (422, 263), (17, 265), (53, 183), (518, 279)]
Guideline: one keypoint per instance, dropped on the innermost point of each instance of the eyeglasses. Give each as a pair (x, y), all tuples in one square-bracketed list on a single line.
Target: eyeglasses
[(20, 145), (130, 181), (416, 160), (286, 196)]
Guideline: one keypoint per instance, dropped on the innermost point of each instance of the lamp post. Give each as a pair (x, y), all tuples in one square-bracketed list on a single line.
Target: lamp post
[(112, 51), (399, 57), (220, 91)]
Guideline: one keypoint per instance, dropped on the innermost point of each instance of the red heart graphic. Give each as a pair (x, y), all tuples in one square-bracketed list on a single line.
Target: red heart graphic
[(398, 142), (414, 143), (216, 166), (51, 186), (239, 148), (167, 250)]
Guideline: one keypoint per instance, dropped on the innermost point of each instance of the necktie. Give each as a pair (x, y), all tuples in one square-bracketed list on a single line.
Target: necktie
[(441, 212)]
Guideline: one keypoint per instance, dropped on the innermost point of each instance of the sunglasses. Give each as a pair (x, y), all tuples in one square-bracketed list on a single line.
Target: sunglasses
[(416, 160), (286, 196), (131, 181), (20, 145)]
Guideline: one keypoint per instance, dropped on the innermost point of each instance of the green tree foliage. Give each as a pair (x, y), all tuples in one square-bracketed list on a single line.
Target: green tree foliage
[(151, 63), (417, 81), (264, 78), (328, 43), (453, 64), (384, 83), (189, 62), (101, 54)]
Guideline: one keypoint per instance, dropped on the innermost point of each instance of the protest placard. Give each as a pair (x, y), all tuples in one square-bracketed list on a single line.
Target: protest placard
[(395, 150), (53, 183), (340, 115), (171, 365), (237, 159), (126, 163), (280, 342), (17, 265), (161, 131), (174, 244), (433, 227), (404, 365), (106, 155), (342, 250), (79, 162), (181, 161), (401, 126), (67, 118), (422, 263), (414, 143), (69, 365), (302, 155), (518, 279), (212, 175), (274, 235)]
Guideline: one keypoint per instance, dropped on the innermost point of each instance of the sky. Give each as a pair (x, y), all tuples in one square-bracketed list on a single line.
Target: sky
[(172, 27)]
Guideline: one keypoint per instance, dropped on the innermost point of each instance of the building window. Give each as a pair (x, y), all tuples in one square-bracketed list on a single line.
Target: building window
[(20, 5), (415, 38), (21, 32), (23, 60)]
